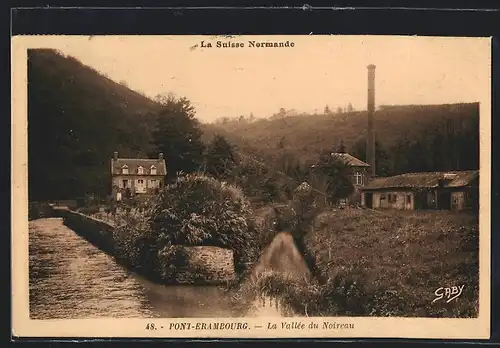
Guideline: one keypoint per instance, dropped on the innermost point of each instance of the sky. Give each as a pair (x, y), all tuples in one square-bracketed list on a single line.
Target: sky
[(317, 71)]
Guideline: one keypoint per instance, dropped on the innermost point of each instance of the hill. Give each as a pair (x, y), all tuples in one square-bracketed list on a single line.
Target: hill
[(437, 137), (309, 134), (77, 118)]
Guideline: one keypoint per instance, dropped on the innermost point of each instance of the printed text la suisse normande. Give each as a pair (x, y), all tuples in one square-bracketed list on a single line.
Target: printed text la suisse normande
[(249, 43)]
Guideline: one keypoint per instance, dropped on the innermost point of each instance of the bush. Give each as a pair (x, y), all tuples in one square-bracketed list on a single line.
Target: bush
[(194, 210), (200, 210), (135, 242), (343, 295), (171, 259)]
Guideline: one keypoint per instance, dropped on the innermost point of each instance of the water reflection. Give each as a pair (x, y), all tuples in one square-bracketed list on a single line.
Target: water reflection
[(70, 278)]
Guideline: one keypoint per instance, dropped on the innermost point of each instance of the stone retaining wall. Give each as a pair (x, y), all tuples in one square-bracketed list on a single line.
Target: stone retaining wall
[(197, 264), (180, 264), (95, 231)]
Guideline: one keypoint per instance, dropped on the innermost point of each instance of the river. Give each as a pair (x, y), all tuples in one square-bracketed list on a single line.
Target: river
[(69, 278)]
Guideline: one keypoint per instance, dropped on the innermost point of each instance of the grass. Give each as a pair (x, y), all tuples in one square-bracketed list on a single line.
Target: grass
[(375, 264), (402, 258)]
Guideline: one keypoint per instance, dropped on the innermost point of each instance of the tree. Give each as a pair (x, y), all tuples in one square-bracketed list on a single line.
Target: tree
[(289, 164), (281, 143), (178, 135), (327, 110), (282, 112), (383, 162), (220, 158), (400, 160), (337, 176), (350, 108), (339, 110)]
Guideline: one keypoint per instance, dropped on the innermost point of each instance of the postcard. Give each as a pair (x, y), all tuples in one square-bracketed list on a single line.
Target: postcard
[(251, 186)]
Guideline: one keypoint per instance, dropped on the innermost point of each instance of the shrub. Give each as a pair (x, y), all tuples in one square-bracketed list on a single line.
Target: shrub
[(200, 210), (193, 210), (343, 295), (171, 258), (135, 242)]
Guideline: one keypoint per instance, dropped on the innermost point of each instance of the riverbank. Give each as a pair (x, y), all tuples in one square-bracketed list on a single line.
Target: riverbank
[(375, 264), (366, 263), (69, 278), (175, 264)]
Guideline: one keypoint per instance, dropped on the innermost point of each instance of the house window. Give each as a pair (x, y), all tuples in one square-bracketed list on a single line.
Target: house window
[(140, 170), (153, 183), (139, 186), (125, 169), (358, 178), (153, 170), (408, 198)]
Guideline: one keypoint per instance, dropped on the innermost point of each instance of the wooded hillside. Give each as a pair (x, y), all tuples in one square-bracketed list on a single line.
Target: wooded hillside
[(409, 137), (77, 118)]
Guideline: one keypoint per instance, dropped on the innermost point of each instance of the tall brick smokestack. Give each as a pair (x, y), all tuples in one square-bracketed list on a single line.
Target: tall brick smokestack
[(370, 137)]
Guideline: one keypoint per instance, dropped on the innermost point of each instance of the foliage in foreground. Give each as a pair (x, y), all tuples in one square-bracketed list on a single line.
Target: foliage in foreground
[(404, 257), (194, 210), (343, 295)]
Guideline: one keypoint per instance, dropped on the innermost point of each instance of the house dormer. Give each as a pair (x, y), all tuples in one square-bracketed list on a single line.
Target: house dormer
[(124, 169), (140, 170), (152, 170)]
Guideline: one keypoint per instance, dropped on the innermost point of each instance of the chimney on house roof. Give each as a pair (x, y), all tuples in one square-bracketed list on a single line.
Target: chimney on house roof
[(160, 156), (115, 155), (370, 138)]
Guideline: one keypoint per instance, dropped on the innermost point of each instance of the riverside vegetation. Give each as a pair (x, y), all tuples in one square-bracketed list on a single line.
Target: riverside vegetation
[(364, 263), (374, 264)]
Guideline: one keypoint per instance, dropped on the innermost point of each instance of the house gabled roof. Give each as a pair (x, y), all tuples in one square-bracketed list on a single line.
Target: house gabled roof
[(423, 180), (350, 160), (134, 163)]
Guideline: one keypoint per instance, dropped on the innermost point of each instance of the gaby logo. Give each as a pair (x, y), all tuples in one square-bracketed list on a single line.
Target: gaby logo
[(449, 294)]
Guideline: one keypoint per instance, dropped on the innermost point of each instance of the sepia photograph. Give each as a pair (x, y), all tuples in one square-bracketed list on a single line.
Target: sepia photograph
[(251, 186)]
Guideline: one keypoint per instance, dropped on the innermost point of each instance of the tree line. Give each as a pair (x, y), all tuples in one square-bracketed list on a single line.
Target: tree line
[(451, 144)]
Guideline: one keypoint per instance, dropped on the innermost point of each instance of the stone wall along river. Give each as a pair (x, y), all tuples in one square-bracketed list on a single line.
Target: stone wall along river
[(70, 278)]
